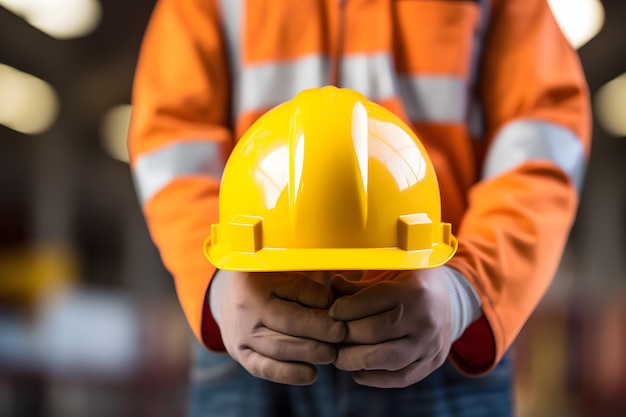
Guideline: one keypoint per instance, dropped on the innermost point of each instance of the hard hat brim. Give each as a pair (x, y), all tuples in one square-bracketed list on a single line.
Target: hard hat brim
[(314, 259)]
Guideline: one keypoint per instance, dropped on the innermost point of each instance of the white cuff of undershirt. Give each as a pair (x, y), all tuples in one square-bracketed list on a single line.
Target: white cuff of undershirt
[(464, 301), (216, 288)]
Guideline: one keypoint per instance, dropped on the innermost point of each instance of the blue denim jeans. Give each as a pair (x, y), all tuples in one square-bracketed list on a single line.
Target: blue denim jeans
[(221, 387)]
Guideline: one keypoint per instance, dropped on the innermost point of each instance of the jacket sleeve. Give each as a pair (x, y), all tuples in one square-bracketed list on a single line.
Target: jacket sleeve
[(519, 215), (178, 142)]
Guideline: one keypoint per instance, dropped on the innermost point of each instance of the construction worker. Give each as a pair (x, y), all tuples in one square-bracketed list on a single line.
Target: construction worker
[(501, 106)]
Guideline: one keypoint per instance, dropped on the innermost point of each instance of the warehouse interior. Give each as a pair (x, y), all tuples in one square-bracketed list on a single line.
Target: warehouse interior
[(89, 321)]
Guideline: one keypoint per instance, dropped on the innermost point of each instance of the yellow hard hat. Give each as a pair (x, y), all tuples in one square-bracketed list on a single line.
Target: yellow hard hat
[(329, 181)]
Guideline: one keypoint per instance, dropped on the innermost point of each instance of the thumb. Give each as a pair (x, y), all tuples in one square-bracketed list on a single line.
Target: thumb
[(343, 286)]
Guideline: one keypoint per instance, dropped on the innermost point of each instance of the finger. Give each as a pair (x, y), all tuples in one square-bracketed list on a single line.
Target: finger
[(376, 329), (372, 300), (351, 275), (295, 320), (341, 285), (402, 378), (389, 356), (298, 287), (289, 348), (292, 373)]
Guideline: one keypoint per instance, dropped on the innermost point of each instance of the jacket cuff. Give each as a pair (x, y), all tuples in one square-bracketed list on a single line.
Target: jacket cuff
[(211, 335), (474, 353)]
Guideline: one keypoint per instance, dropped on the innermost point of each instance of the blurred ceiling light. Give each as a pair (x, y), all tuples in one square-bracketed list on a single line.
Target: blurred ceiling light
[(61, 19), (610, 102), (114, 130), (580, 20), (27, 103)]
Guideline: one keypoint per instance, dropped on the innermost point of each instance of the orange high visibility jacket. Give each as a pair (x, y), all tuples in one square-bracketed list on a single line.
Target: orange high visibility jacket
[(492, 87)]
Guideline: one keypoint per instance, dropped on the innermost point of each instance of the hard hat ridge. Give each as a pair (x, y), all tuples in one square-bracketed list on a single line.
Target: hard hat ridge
[(321, 123)]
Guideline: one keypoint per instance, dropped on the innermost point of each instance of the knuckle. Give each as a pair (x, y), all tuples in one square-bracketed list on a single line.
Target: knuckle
[(441, 356), (300, 286), (348, 360), (430, 320), (417, 371), (394, 318), (397, 358), (259, 367), (292, 320), (279, 372), (337, 331), (419, 285), (375, 359), (296, 374), (304, 350), (365, 331), (322, 327), (266, 372), (281, 349), (392, 359), (305, 376), (336, 309), (406, 380), (317, 353), (330, 298), (409, 375), (360, 378), (324, 353)]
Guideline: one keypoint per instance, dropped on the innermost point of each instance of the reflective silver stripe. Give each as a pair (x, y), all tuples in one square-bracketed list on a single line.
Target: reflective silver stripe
[(434, 98), (529, 140), (232, 16), (267, 85), (155, 170), (270, 84), (370, 74), (426, 98)]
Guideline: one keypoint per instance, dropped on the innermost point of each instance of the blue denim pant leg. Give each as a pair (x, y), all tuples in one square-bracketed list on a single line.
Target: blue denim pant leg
[(221, 387), (444, 393)]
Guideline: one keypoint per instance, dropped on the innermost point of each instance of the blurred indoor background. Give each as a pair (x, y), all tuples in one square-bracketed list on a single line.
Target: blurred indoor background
[(89, 323)]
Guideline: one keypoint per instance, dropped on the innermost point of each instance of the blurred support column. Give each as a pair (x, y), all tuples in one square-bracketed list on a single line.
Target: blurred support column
[(142, 269), (53, 202), (29, 390), (601, 222)]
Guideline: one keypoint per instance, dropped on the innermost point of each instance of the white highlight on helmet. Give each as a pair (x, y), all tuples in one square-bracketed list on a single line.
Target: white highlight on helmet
[(273, 171), (398, 152), (27, 104), (61, 19), (298, 164), (610, 102), (580, 20), (360, 140)]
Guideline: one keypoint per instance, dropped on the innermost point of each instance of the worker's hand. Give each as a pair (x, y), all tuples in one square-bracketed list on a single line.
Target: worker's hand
[(269, 325), (399, 329)]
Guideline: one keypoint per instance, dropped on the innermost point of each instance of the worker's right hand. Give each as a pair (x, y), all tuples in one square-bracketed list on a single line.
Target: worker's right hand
[(269, 325)]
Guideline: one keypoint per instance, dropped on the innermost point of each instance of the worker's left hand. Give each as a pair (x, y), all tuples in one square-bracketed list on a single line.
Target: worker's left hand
[(398, 326)]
